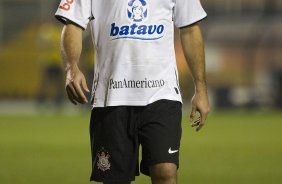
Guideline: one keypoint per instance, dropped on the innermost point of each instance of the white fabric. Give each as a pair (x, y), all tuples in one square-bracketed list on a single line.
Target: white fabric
[(134, 46), (188, 12)]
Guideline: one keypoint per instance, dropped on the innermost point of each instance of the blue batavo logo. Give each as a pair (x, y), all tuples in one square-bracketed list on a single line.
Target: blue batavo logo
[(137, 12), (134, 31)]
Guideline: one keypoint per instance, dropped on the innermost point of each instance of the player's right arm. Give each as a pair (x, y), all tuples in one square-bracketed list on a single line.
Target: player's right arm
[(71, 46)]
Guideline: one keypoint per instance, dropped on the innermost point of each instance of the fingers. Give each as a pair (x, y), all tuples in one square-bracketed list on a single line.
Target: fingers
[(203, 116), (81, 97), (199, 123), (193, 113), (84, 86), (200, 104), (75, 93), (196, 123), (76, 86), (199, 127), (70, 96)]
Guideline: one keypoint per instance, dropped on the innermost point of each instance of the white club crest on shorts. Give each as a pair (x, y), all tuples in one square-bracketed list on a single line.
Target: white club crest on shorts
[(103, 161)]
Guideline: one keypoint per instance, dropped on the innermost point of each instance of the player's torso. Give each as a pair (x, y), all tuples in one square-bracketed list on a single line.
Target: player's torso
[(135, 59), (132, 23)]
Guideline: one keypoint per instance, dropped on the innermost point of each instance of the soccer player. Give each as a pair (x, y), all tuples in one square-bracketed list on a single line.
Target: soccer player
[(135, 92)]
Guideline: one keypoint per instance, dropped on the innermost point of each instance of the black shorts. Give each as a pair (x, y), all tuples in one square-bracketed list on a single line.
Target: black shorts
[(117, 132)]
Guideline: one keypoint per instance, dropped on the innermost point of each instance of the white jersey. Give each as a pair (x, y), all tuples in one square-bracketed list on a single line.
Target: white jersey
[(134, 46)]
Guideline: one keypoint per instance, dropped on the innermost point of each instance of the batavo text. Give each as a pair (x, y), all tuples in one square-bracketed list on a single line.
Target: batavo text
[(134, 29)]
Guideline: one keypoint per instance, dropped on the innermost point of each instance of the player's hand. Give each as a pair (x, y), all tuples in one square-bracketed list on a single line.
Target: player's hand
[(76, 86), (200, 103)]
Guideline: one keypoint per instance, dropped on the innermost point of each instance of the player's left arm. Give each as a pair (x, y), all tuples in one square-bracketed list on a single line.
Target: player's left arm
[(193, 48)]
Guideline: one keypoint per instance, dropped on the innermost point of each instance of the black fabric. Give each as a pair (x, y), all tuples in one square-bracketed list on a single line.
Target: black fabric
[(192, 24), (116, 133), (66, 21)]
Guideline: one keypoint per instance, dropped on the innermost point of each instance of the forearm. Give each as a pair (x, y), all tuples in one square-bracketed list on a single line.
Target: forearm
[(193, 48), (71, 46)]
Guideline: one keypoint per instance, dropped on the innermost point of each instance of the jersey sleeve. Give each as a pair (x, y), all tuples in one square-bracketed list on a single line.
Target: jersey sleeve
[(187, 12), (75, 11)]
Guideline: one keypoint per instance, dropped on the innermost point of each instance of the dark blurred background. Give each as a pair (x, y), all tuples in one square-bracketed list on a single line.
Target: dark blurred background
[(243, 54)]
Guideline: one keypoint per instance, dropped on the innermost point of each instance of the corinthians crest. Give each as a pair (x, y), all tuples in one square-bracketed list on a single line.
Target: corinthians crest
[(103, 163)]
